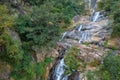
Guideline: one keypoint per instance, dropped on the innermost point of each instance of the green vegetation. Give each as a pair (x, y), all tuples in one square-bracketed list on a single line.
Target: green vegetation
[(110, 67), (91, 75), (10, 49), (38, 24), (112, 7), (35, 32), (28, 70), (105, 43), (108, 70), (71, 59), (43, 24), (113, 47), (94, 63)]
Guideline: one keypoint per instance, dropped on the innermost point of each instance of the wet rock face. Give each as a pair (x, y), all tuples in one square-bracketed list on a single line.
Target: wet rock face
[(89, 53), (57, 71), (94, 32)]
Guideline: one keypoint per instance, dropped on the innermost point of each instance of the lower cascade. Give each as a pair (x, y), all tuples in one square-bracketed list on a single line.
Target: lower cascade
[(59, 70), (89, 31)]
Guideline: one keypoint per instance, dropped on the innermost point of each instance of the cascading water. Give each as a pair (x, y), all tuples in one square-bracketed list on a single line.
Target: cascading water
[(80, 27), (63, 36), (59, 70), (91, 5), (96, 16), (58, 73)]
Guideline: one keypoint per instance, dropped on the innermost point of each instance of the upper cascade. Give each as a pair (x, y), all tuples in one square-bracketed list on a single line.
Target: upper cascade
[(91, 5)]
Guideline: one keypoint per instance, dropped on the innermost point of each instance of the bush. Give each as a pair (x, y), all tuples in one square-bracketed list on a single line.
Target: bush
[(37, 29), (110, 69), (11, 51), (71, 60)]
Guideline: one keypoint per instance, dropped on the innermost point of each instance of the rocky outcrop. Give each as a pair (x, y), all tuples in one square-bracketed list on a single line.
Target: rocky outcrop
[(90, 53), (94, 32), (51, 53), (14, 35)]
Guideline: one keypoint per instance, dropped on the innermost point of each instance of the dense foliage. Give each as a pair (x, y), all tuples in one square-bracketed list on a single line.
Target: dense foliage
[(38, 24), (110, 69), (43, 24), (113, 8), (71, 60), (9, 49)]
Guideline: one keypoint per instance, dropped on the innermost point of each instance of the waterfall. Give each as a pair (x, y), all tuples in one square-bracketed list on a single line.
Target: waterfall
[(80, 27), (91, 5), (81, 39), (82, 33), (63, 36), (96, 16), (59, 70)]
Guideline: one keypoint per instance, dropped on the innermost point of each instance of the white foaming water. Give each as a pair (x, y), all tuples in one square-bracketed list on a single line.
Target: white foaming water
[(59, 71), (96, 16), (82, 38), (85, 36), (80, 27), (64, 34)]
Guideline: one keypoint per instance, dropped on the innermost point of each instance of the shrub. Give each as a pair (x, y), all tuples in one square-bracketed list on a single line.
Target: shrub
[(71, 59), (110, 69)]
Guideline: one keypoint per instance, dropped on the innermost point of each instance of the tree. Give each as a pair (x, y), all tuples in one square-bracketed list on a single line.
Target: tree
[(111, 7), (10, 52), (110, 69)]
